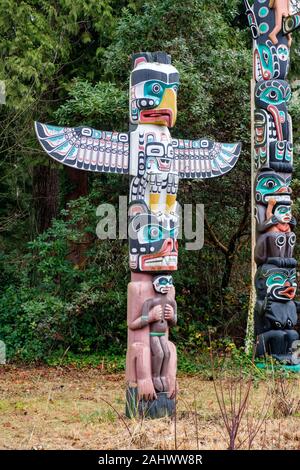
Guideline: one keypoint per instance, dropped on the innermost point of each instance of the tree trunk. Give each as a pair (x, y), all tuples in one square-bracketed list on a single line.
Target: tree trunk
[(78, 187), (78, 182), (45, 196), (229, 261)]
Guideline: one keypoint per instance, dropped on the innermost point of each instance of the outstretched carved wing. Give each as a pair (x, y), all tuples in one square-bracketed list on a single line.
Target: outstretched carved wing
[(85, 148), (202, 159)]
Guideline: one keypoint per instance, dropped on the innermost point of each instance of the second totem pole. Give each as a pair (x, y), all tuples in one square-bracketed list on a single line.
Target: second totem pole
[(275, 311)]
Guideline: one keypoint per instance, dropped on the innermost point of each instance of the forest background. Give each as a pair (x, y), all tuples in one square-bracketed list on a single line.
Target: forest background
[(63, 291)]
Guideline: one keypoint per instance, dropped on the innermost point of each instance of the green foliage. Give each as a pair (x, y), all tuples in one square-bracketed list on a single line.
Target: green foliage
[(93, 104), (99, 416), (222, 357), (69, 62), (44, 45), (51, 304), (108, 363), (35, 37)]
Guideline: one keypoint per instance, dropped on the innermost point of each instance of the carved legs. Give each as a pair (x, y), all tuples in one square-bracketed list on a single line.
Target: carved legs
[(160, 362), (165, 365), (157, 360), (172, 368), (276, 342)]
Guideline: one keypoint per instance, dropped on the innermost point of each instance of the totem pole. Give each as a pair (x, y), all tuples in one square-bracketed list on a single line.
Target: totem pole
[(275, 312), (155, 163)]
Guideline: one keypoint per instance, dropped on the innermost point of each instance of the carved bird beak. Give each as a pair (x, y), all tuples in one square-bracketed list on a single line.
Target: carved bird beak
[(169, 103)]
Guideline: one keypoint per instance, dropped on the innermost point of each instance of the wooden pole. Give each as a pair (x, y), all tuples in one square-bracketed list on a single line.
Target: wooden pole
[(252, 300)]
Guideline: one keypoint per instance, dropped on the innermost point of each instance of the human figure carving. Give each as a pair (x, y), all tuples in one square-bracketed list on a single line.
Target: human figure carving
[(162, 313), (275, 232), (281, 217), (151, 324), (282, 10)]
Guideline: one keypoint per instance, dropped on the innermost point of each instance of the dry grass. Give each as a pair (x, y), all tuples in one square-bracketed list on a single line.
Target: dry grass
[(63, 408)]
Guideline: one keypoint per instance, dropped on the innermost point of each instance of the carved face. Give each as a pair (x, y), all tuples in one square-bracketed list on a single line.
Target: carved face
[(273, 185), (270, 61), (277, 283), (153, 244), (159, 156), (283, 214), (163, 284), (273, 96), (281, 284), (153, 93)]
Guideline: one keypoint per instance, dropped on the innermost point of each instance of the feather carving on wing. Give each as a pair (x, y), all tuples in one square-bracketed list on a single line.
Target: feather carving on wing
[(202, 159), (86, 148)]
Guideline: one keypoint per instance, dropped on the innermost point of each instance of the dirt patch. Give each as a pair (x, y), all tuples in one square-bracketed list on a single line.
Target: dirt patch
[(63, 408)]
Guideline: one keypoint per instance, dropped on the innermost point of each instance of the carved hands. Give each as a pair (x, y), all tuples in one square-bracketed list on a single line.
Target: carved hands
[(169, 312), (159, 314), (156, 314)]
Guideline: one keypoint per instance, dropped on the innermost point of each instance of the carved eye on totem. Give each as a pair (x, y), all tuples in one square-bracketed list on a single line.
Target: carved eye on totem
[(280, 241), (281, 145), (164, 281), (156, 88), (294, 281), (266, 56), (155, 233), (273, 96), (278, 325), (292, 241), (283, 52), (270, 184), (276, 279), (289, 323)]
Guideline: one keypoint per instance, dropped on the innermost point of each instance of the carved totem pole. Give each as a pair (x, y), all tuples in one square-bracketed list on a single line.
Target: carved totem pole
[(275, 313), (155, 163)]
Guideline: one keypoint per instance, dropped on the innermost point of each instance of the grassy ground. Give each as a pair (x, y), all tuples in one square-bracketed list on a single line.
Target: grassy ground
[(63, 408)]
